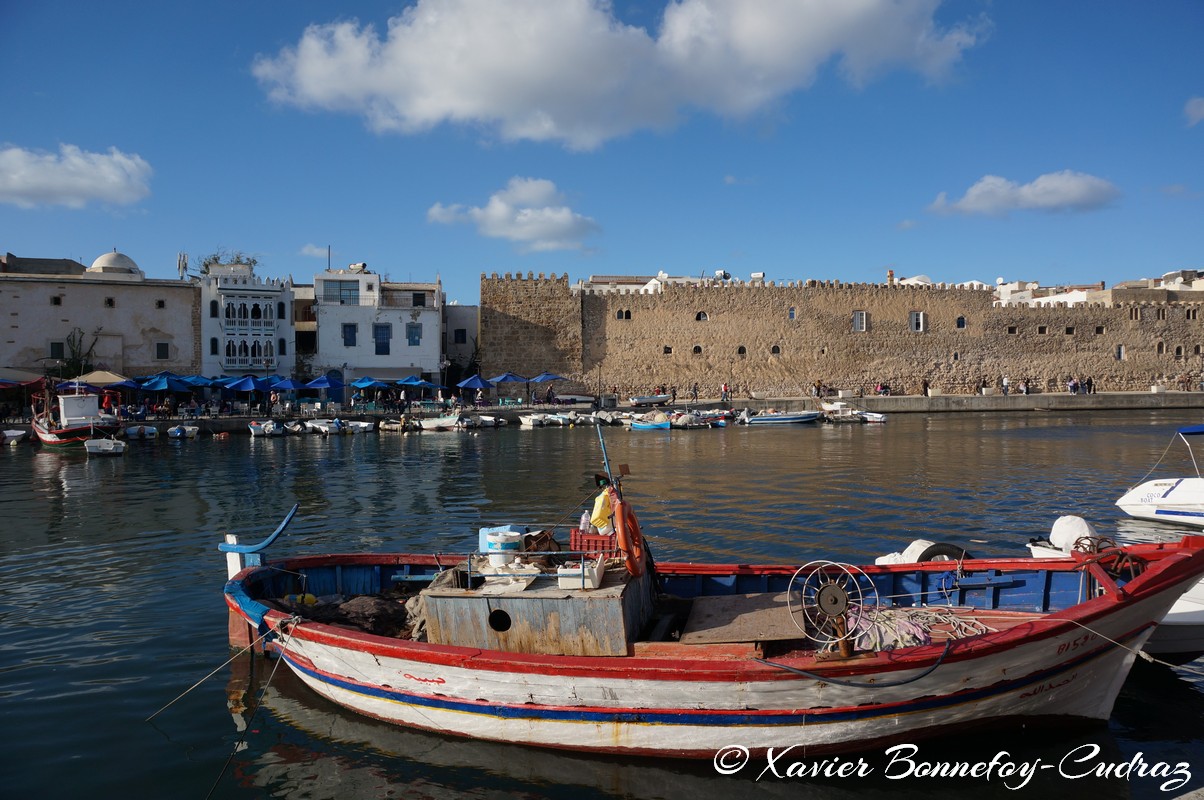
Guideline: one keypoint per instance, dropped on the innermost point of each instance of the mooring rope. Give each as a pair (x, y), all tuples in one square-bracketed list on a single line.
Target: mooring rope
[(286, 628), (210, 675), (1156, 463)]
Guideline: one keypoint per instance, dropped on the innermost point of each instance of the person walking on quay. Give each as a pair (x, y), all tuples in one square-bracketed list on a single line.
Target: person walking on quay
[(1005, 385), (723, 393), (694, 392), (924, 388), (1089, 385)]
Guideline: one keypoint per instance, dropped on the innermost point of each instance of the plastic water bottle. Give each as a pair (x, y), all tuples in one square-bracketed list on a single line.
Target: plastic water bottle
[(583, 525)]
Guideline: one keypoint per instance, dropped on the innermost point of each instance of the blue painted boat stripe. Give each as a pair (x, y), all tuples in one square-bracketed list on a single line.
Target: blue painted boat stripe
[(1171, 488), (1167, 512)]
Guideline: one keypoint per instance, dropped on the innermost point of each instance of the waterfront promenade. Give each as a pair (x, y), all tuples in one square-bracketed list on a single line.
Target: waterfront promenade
[(894, 404)]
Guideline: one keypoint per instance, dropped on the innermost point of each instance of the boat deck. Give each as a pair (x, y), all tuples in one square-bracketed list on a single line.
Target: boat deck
[(765, 617)]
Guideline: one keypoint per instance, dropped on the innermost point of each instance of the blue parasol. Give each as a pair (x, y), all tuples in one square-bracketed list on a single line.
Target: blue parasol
[(324, 382), (544, 377), (475, 382), (509, 377)]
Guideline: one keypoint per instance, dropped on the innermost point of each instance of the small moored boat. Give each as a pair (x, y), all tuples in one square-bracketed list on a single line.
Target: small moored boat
[(523, 643), (69, 420), (105, 447), (779, 417), (1176, 500), (183, 431)]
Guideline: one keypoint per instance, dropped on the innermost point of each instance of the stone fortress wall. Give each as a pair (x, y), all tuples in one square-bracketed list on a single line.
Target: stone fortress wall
[(779, 339)]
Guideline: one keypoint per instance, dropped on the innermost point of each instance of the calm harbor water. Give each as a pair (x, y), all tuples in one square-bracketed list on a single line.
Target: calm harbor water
[(110, 598)]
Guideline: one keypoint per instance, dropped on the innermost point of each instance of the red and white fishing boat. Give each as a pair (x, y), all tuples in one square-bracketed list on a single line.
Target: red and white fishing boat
[(682, 660), (69, 420)]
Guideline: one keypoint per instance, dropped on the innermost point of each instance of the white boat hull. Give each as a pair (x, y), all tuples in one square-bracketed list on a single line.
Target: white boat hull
[(421, 686), (1175, 500)]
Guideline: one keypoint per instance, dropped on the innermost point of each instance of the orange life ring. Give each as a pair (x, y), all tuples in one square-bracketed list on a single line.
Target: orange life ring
[(629, 538)]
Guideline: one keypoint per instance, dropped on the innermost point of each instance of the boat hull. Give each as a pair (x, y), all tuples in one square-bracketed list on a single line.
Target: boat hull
[(1175, 500), (73, 436), (692, 700)]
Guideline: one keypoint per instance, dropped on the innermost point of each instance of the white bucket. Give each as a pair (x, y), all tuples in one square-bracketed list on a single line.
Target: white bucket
[(503, 547)]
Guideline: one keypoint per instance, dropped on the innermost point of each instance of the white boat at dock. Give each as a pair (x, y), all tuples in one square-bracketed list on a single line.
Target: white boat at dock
[(105, 447), (1176, 500)]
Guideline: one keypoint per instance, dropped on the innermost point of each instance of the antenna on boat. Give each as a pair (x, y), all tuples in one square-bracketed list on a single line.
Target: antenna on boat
[(605, 459)]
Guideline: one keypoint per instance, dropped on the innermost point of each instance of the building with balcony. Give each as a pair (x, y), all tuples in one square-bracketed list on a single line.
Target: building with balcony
[(367, 326), (246, 322)]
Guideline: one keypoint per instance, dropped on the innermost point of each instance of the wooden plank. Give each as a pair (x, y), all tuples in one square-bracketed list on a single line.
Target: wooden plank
[(739, 618)]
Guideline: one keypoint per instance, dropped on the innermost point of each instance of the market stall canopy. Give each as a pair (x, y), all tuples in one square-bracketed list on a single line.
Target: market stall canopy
[(77, 386), (125, 384), (102, 377), (19, 375)]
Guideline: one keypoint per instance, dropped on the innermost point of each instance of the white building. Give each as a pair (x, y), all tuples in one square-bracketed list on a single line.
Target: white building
[(246, 323), (132, 325), (370, 327)]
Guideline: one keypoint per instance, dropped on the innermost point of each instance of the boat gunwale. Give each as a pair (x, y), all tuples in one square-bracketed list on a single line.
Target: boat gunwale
[(1173, 562)]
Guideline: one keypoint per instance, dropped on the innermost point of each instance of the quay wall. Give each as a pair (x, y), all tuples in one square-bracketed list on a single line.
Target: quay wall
[(778, 340)]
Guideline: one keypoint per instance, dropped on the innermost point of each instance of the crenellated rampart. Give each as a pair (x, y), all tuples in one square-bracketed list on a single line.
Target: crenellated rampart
[(779, 339)]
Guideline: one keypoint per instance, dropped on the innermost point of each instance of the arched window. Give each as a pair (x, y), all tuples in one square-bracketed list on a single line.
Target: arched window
[(256, 349), (229, 311), (668, 350), (231, 350), (213, 344), (1161, 349), (701, 316), (280, 311), (267, 310), (243, 350), (627, 314), (775, 350), (213, 309), (697, 349), (619, 314), (790, 314), (282, 347), (256, 311), (961, 322), (956, 357), (741, 350), (242, 311), (267, 349), (1178, 352)]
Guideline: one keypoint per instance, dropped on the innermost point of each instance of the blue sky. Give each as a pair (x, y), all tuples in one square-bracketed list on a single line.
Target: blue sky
[(831, 139)]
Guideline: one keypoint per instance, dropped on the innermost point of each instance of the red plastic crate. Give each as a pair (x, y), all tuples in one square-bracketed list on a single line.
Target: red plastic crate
[(603, 543)]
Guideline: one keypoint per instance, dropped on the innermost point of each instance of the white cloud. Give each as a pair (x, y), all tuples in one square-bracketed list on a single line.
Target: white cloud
[(569, 71), (1194, 110), (72, 178), (314, 251), (529, 211), (905, 224), (1055, 191)]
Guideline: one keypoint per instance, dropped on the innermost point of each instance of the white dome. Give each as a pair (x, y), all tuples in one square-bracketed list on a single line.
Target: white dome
[(115, 262)]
